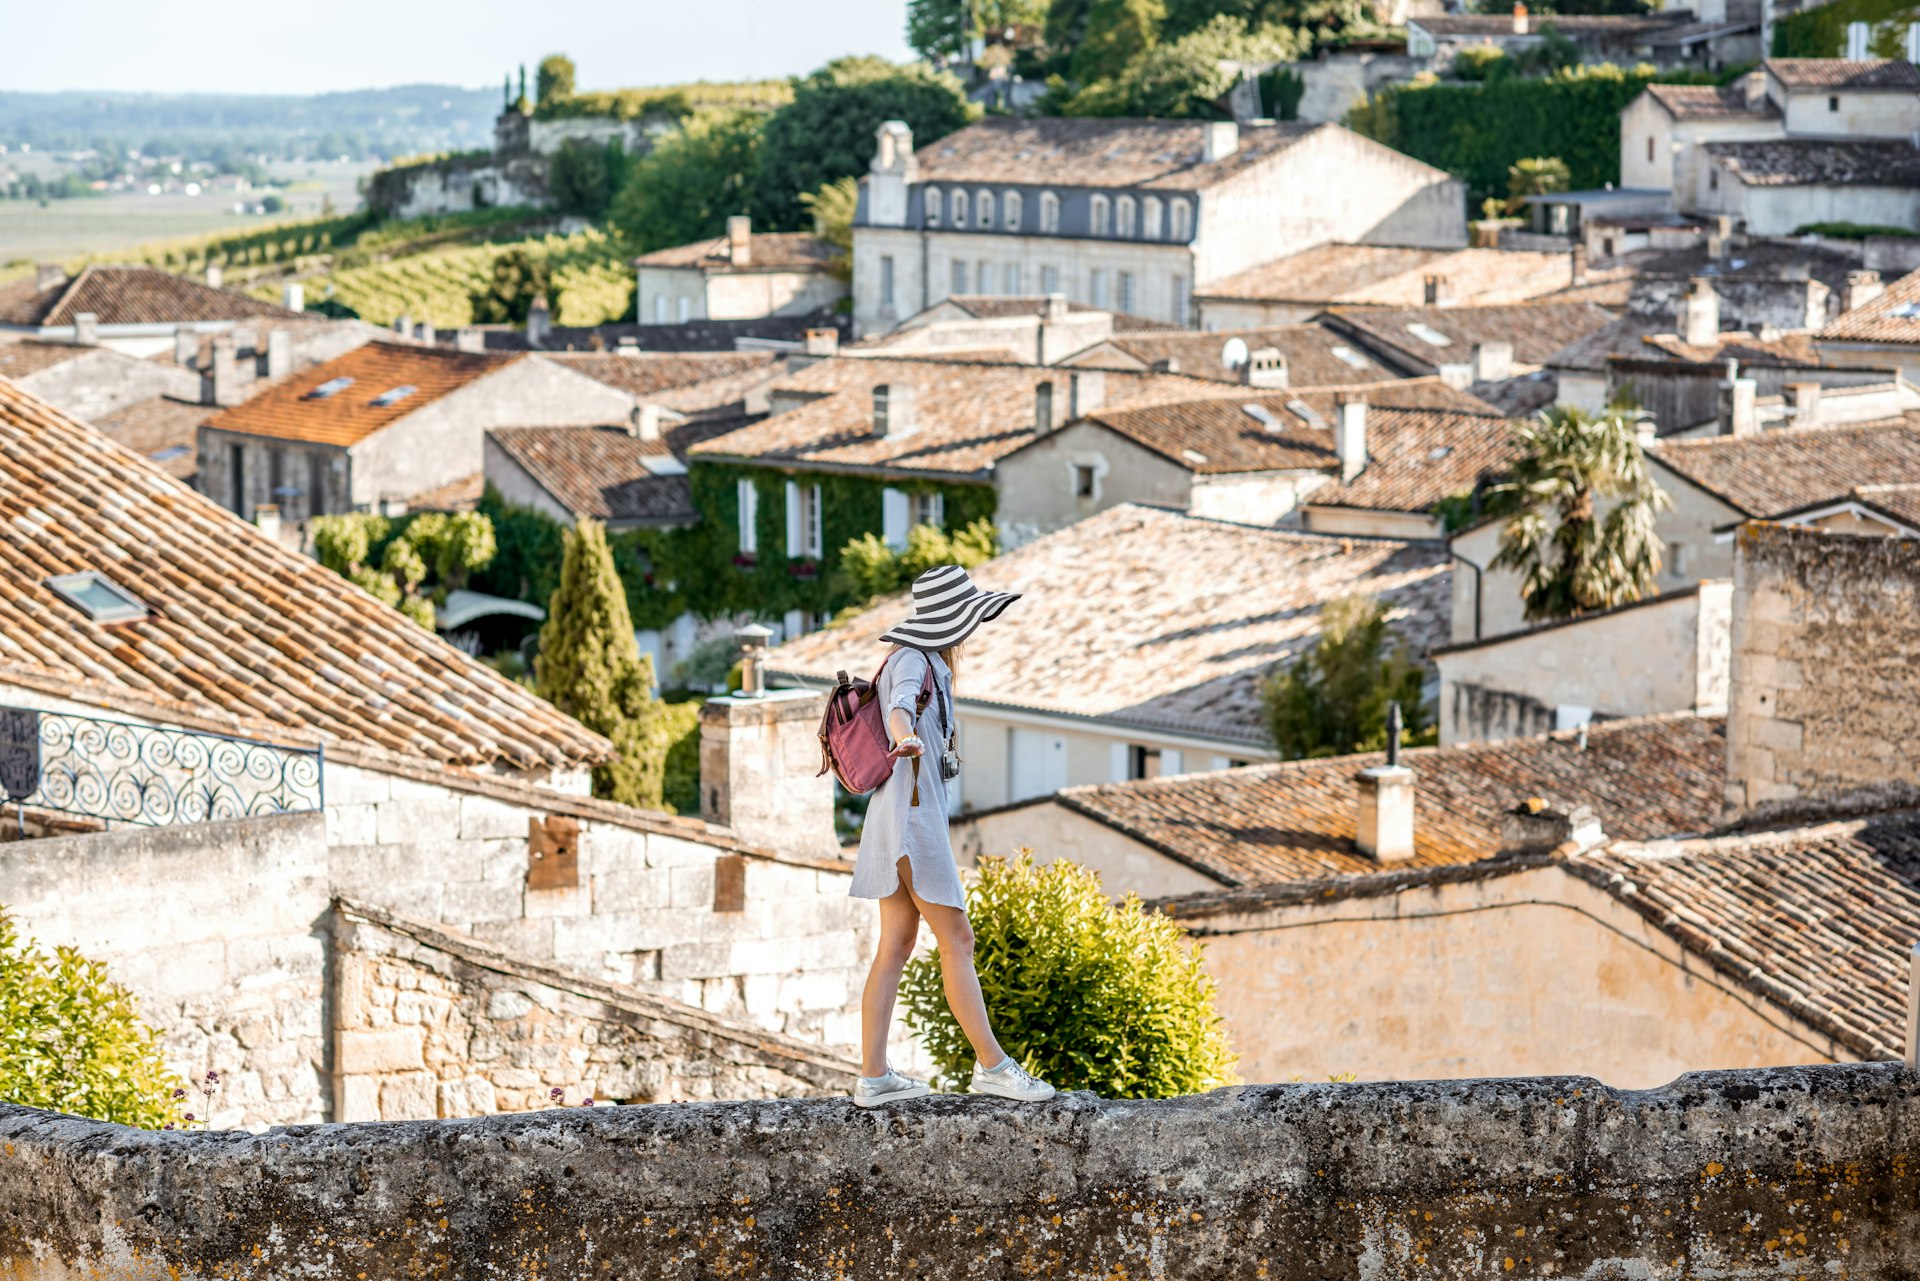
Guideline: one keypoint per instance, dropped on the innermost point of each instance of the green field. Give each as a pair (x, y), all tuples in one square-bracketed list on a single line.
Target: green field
[(589, 268)]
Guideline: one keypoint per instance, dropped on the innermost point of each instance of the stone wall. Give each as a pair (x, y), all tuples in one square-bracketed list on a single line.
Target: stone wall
[(1826, 693), (427, 1023), (1732, 1175)]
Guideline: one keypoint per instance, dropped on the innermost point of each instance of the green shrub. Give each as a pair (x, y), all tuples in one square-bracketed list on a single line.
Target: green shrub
[(680, 726), (1086, 993), (1334, 700), (872, 569), (1850, 230), (71, 1039), (1821, 31), (390, 559)]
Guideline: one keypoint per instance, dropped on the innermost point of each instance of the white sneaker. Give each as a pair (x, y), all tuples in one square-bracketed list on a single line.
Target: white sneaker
[(1011, 1081), (878, 1091)]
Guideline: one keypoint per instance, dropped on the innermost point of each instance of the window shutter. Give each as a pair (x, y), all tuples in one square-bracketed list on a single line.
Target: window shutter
[(893, 518), (816, 534), (1117, 763), (793, 519), (1170, 762), (749, 502)]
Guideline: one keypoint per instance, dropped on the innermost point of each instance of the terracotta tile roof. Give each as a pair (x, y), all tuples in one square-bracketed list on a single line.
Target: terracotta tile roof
[(1821, 162), (1151, 618), (462, 495), (1296, 820), (1415, 459), (26, 358), (131, 296), (290, 410), (1777, 471), (245, 636), (1087, 152), (602, 473), (164, 431), (1315, 356), (1001, 306), (1384, 276), (1536, 330), (767, 251), (1839, 73), (645, 373), (1893, 317), (1775, 259), (1793, 350), (1623, 337), (1902, 502), (1818, 920), (970, 414), (1710, 102)]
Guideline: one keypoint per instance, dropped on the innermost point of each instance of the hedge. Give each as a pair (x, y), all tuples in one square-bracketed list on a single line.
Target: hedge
[(1822, 32)]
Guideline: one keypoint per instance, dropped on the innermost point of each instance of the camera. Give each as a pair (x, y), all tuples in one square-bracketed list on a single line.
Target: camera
[(949, 765)]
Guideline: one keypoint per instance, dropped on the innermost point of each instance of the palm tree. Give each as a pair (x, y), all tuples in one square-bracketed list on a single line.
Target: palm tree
[(1574, 558)]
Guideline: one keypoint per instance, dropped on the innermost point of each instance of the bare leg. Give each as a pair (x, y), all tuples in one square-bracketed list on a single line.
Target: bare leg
[(954, 935), (899, 928)]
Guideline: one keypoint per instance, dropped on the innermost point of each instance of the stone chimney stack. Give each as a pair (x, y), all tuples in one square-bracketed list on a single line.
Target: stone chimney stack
[(1222, 139), (1086, 393), (1384, 827), (1536, 827), (823, 342), (1435, 291), (279, 353), (1056, 308), (214, 275), (1520, 23), (1350, 434), (539, 323), (403, 325), (893, 411), (1265, 368), (186, 347), (1862, 288), (1700, 314), (645, 422), (759, 753), (426, 333), (294, 296), (1805, 400), (740, 240), (48, 275), (1043, 408), (223, 384), (1577, 256), (892, 175), (469, 339), (86, 329), (266, 517), (1739, 412), (1492, 362)]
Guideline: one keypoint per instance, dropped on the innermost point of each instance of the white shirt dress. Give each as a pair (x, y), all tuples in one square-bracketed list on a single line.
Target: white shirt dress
[(896, 828)]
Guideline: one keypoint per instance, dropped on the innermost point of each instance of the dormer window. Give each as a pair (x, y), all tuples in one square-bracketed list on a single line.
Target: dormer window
[(98, 597), (1010, 206), (1123, 217), (331, 387), (959, 208), (933, 206), (1181, 216), (1101, 219), (983, 207), (1150, 217), (394, 395), (1049, 212)]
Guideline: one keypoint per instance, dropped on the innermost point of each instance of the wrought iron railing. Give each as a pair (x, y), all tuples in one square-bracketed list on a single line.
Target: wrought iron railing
[(151, 775)]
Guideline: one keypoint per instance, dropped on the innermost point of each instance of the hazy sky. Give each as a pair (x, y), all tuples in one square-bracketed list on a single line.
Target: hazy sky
[(310, 46)]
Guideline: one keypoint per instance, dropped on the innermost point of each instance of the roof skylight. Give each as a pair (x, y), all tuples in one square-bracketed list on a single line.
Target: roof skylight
[(394, 395), (1907, 311), (1429, 335), (169, 453), (331, 387), (1306, 411), (663, 465), (1262, 415), (1194, 456), (1351, 356), (99, 597)]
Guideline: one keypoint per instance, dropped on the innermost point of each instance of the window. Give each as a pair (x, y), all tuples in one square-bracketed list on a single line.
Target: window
[(277, 474), (1049, 211), (959, 277), (1086, 482), (1181, 218), (659, 309), (1429, 335), (1097, 282), (237, 479), (1123, 216), (896, 517), (930, 509), (1010, 278), (99, 598), (1182, 300), (1010, 210), (983, 278), (747, 499), (1043, 408), (983, 207), (1049, 280), (1649, 150), (1833, 104), (1713, 180), (394, 395), (316, 485), (1143, 762), (1126, 292), (331, 387), (1677, 559), (959, 208), (685, 309), (933, 206), (886, 280), (1150, 218), (1101, 217), (803, 520)]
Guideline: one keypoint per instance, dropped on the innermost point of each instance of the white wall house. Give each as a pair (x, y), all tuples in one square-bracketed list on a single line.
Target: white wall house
[(744, 275), (1124, 215)]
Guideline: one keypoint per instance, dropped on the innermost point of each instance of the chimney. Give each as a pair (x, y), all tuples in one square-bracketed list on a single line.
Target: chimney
[(1862, 288), (1384, 831), (1700, 314), (1350, 434), (1265, 368), (1805, 399), (1435, 290), (294, 296), (1535, 827), (403, 325), (224, 384), (186, 347), (1492, 362), (1754, 84), (1222, 139), (740, 240), (645, 422), (1166, 365), (48, 275), (539, 323), (279, 353), (823, 342), (1086, 392), (86, 329), (1578, 273), (469, 339), (758, 753), (266, 517), (1056, 308), (893, 416), (425, 333), (214, 275), (1043, 408), (1519, 18), (1738, 413)]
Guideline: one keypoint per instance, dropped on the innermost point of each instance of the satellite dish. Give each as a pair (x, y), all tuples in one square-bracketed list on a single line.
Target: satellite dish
[(1234, 353)]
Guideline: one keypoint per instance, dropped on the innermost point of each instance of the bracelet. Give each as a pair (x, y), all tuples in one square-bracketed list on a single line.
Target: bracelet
[(910, 738)]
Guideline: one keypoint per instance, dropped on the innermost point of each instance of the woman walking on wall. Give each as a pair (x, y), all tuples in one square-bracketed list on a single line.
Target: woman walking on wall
[(906, 859)]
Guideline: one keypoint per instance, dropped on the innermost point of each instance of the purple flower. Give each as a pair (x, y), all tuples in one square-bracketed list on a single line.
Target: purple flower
[(180, 1094), (167, 1126), (586, 1103), (555, 1092), (212, 1077), (189, 1116)]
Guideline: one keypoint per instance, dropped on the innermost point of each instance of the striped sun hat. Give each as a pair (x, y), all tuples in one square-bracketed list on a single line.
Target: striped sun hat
[(946, 609)]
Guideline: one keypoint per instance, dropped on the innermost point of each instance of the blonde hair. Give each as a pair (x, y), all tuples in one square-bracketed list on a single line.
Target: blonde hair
[(951, 657)]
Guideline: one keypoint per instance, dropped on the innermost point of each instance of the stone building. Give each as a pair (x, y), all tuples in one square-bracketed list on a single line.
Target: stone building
[(139, 310), (1129, 215), (741, 276), (1297, 288), (1882, 330), (1312, 355)]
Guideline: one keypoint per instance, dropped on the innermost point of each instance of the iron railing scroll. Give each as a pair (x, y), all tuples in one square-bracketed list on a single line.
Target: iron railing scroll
[(152, 775)]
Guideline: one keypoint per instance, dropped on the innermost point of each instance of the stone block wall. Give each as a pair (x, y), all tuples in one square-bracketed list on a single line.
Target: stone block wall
[(1732, 1175), (1825, 704), (430, 1024)]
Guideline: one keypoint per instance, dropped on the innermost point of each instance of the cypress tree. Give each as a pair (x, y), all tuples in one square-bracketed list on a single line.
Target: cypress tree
[(591, 668)]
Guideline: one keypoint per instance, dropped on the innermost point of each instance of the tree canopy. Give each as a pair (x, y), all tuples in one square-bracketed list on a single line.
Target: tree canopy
[(685, 188), (1334, 700), (1183, 77), (553, 80)]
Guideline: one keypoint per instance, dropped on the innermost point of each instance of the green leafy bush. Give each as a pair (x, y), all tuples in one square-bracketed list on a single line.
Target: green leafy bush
[(71, 1039), (680, 727), (1086, 993), (1184, 77), (1821, 30), (1851, 230), (685, 188), (391, 559), (872, 569), (528, 547), (1334, 700)]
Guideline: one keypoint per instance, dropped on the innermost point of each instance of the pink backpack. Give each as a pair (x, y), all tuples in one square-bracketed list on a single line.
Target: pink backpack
[(854, 743)]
